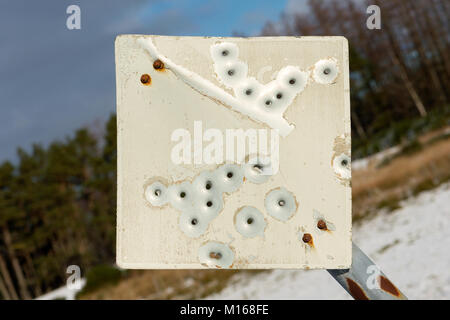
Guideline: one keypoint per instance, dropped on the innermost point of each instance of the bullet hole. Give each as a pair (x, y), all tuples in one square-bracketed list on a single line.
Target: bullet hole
[(268, 102), (231, 177), (209, 204), (279, 95), (325, 71), (146, 79), (250, 222), (225, 53), (248, 92), (307, 238), (231, 72), (280, 204), (322, 225), (192, 224), (292, 81), (158, 65), (156, 194), (183, 194), (208, 185), (215, 255), (341, 166)]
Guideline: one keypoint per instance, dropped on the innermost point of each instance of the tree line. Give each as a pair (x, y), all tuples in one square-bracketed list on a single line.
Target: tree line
[(57, 208), (401, 71)]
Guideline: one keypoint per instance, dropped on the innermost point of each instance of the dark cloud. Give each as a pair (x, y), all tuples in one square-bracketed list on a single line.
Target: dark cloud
[(54, 80)]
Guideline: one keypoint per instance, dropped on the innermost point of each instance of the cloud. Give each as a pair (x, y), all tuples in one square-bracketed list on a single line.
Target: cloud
[(296, 6), (54, 80)]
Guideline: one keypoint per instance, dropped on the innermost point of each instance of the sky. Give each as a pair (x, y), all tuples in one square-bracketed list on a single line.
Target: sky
[(54, 80)]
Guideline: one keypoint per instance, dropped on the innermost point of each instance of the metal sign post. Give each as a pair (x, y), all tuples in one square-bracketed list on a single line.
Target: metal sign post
[(365, 281)]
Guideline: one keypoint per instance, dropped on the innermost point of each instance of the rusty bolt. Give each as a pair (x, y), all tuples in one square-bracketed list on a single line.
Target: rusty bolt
[(322, 225), (146, 79), (307, 238), (158, 64), (215, 255)]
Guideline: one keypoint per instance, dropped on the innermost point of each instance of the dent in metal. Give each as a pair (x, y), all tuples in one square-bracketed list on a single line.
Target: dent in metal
[(201, 200)]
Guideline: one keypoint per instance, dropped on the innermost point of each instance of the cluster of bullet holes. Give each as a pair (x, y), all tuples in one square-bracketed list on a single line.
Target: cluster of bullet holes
[(273, 97), (201, 200), (266, 103)]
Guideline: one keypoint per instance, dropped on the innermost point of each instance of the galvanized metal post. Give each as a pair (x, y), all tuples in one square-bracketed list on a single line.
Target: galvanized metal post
[(365, 281)]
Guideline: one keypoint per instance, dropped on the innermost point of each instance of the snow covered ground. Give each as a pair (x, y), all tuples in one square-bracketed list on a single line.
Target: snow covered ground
[(411, 245)]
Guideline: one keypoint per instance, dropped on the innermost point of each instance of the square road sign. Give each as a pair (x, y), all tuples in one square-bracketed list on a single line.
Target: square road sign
[(233, 152)]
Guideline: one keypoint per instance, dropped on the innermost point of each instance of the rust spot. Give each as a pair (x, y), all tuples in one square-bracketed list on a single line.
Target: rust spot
[(215, 255), (146, 79), (355, 290), (158, 65), (322, 225), (307, 238), (388, 286)]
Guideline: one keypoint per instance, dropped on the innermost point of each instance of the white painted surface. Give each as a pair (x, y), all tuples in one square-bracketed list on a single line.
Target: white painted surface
[(150, 237)]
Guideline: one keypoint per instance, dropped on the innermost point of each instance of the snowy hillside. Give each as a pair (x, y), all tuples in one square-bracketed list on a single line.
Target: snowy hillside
[(411, 246)]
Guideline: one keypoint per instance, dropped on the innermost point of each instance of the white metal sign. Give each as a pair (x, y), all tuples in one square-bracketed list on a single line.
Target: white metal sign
[(233, 152)]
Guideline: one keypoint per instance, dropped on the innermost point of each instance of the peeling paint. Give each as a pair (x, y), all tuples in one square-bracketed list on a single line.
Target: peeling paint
[(341, 159)]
